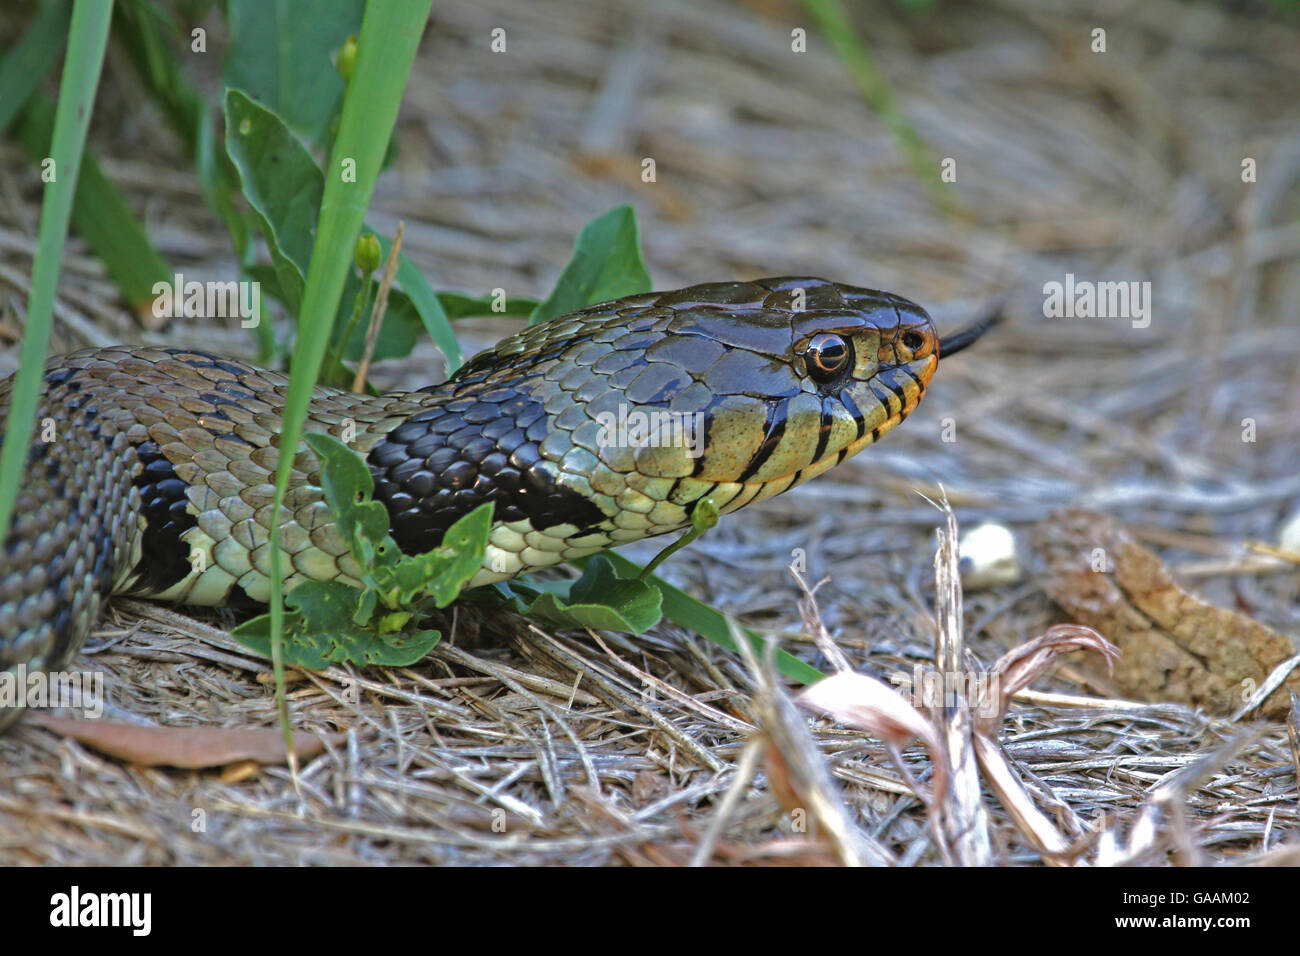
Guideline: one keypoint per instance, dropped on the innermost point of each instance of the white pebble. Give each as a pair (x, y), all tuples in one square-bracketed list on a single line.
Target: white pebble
[(988, 557)]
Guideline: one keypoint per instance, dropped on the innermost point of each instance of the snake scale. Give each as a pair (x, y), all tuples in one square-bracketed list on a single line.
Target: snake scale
[(152, 470)]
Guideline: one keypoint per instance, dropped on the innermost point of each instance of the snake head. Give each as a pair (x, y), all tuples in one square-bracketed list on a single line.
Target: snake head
[(777, 380)]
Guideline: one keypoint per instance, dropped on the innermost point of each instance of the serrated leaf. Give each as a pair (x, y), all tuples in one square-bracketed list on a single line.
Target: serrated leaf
[(335, 621), (320, 631), (348, 486), (326, 606), (443, 572), (471, 531), (606, 264)]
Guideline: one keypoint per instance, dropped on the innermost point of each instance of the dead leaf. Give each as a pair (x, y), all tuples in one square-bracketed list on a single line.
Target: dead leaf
[(1022, 665), (190, 748), (864, 703), (1176, 646)]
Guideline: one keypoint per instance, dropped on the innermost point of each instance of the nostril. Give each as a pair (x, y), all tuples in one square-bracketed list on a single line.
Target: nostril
[(913, 340)]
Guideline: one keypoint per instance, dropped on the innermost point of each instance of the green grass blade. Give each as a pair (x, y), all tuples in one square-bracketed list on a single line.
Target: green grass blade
[(87, 37), (428, 307), (151, 41), (32, 57), (390, 34), (833, 22), (101, 215)]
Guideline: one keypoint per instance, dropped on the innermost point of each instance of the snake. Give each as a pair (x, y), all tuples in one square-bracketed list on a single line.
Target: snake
[(152, 470)]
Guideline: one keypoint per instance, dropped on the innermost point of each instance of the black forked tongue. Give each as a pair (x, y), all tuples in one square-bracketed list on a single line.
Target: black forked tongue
[(956, 341)]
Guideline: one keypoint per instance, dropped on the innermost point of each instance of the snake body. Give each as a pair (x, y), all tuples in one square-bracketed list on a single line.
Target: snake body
[(152, 471)]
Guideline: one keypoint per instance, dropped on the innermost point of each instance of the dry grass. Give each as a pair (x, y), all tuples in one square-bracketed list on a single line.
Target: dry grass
[(511, 744)]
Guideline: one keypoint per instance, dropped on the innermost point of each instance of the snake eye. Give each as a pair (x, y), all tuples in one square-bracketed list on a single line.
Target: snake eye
[(827, 355), (913, 340)]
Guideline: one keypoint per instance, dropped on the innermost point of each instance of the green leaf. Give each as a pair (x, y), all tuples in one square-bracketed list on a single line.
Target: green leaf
[(458, 306), (282, 183), (284, 186), (600, 599), (606, 264), (338, 622), (696, 616), (412, 309), (467, 538), (282, 55), (267, 279), (398, 333)]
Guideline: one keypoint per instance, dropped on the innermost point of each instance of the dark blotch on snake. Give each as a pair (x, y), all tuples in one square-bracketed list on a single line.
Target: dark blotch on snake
[(164, 557), (441, 464)]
